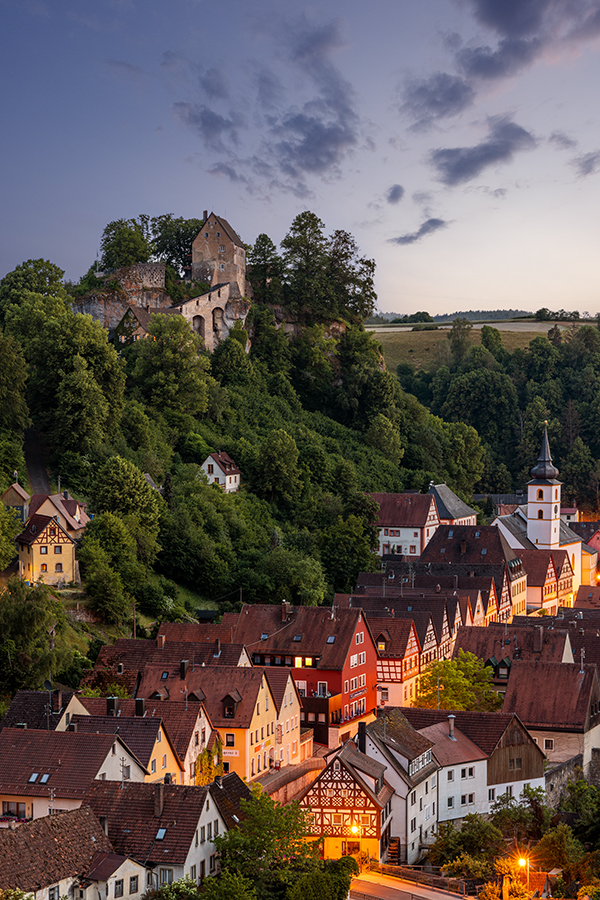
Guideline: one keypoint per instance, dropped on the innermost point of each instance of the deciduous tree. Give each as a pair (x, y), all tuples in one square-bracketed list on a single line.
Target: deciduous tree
[(461, 683)]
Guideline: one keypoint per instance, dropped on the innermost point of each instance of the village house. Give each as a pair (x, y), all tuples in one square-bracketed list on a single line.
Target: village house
[(168, 828), (332, 657), (136, 321), (451, 509), (549, 580), (513, 759), (536, 692), (412, 773), (42, 710), (67, 855), (68, 512), (288, 704), (44, 772), (406, 523), (17, 499), (398, 663), (46, 552), (220, 469), (188, 725), (350, 805)]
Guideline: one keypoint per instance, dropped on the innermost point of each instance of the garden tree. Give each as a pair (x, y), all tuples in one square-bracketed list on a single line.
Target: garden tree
[(524, 819), (265, 271), (280, 476), (37, 276), (29, 618), (269, 844), (305, 257), (460, 338), (230, 362), (513, 885), (10, 527), (293, 577), (466, 866), (173, 239), (227, 886), (167, 371), (113, 537), (103, 584), (351, 277), (125, 242), (460, 683), (185, 888), (559, 848), (270, 344), (347, 549), (14, 414), (476, 837)]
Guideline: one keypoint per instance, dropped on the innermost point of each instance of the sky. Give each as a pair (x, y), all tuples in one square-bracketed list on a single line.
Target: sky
[(458, 141)]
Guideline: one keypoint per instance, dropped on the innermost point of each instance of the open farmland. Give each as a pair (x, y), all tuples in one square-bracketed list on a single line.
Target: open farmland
[(430, 349)]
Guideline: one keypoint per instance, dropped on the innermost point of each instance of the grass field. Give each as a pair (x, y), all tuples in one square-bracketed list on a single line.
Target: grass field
[(430, 349)]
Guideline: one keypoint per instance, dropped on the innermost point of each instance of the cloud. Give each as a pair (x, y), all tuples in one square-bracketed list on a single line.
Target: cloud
[(213, 128), (516, 18), (395, 194), (214, 84), (588, 164), (428, 227), (439, 96), (511, 57), (126, 71), (461, 164), (562, 140)]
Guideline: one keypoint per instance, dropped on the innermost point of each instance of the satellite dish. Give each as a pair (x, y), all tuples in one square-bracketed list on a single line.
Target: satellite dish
[(48, 684)]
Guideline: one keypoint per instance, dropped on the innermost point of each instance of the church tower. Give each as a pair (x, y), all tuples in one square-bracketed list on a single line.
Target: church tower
[(543, 501)]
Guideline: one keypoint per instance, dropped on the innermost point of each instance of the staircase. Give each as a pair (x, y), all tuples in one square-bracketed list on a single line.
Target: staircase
[(393, 852)]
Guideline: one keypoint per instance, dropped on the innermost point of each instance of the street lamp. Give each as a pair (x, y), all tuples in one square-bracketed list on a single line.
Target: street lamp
[(524, 861)]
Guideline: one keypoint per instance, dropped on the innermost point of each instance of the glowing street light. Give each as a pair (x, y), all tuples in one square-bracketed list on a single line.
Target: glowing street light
[(524, 861)]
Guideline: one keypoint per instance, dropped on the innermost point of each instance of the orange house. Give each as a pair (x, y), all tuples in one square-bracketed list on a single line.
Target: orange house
[(46, 552)]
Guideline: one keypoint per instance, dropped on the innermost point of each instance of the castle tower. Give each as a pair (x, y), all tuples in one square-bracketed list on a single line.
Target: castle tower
[(543, 501)]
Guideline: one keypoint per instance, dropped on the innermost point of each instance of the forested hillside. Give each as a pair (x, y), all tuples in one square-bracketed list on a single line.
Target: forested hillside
[(312, 419)]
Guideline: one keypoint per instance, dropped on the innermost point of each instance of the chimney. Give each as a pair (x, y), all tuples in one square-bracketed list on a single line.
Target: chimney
[(205, 215), (456, 582), (219, 781), (168, 778), (66, 495), (140, 707), (159, 799), (183, 667), (451, 719), (56, 700), (393, 612), (284, 611), (538, 635), (104, 824), (112, 706), (362, 737), (217, 648), (438, 588), (73, 726), (463, 548), (160, 641)]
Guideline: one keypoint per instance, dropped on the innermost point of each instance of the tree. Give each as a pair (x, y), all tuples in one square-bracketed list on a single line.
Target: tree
[(112, 536), (103, 584), (491, 339), (346, 549), (173, 239), (168, 371), (559, 848), (120, 488), (228, 886), (265, 270), (306, 260), (184, 889), (460, 338), (271, 841), (37, 276), (9, 529), (351, 277), (125, 242), (476, 837), (280, 476), (14, 414), (461, 683), (293, 577)]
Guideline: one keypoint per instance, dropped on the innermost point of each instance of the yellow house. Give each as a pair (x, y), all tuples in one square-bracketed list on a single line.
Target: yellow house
[(147, 738), (46, 552)]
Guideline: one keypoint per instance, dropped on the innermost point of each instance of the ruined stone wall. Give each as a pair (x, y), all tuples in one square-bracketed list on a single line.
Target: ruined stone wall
[(141, 285), (212, 315), (557, 778), (147, 275)]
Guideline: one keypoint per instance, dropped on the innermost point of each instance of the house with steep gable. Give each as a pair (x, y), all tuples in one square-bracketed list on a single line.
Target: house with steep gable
[(451, 509), (17, 499), (68, 512), (398, 663), (46, 552), (220, 469), (406, 523), (43, 710)]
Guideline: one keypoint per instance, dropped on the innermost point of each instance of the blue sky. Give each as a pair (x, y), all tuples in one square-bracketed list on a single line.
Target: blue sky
[(457, 140)]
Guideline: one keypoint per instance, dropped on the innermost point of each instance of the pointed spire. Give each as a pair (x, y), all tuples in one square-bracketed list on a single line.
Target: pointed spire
[(545, 468)]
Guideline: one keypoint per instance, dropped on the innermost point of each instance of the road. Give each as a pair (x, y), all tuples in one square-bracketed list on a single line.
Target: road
[(36, 470), (384, 887)]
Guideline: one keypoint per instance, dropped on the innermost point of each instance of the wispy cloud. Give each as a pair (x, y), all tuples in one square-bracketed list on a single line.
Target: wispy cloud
[(562, 140), (395, 194), (588, 164), (439, 96), (458, 165), (126, 71), (428, 227)]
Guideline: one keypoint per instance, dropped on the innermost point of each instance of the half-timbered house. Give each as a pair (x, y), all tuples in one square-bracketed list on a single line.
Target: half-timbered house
[(398, 663), (350, 804), (46, 552)]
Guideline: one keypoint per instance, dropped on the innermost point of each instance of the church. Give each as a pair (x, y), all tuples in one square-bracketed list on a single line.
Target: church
[(537, 525)]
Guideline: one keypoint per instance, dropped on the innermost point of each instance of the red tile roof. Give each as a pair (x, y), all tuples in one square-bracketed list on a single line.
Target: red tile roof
[(72, 760), (538, 691), (139, 734), (395, 632), (65, 506), (485, 729), (539, 566), (35, 527), (224, 461), (404, 510), (18, 490), (449, 751), (529, 642), (228, 791), (30, 707), (43, 852), (197, 633)]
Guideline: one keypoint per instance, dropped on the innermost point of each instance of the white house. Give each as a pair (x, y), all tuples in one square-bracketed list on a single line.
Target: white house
[(220, 469), (406, 522)]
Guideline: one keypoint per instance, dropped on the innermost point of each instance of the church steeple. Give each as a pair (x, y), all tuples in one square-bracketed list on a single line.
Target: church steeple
[(545, 468)]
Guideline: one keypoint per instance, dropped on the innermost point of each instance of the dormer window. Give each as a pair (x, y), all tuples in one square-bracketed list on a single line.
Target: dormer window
[(44, 778), (297, 637), (264, 635), (331, 639), (33, 777), (160, 834), (228, 712)]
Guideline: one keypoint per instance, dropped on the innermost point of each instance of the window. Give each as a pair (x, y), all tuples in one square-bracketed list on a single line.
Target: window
[(491, 795), (515, 763), (160, 834), (210, 468), (133, 884), (119, 887), (297, 637), (230, 740), (222, 268), (213, 862), (354, 661), (451, 775), (463, 800), (413, 825), (153, 765), (384, 695), (164, 761), (548, 744), (54, 892), (413, 549), (216, 827), (540, 495), (202, 834), (331, 639), (209, 832), (166, 876), (450, 802), (33, 777), (57, 549), (193, 873), (43, 550), (58, 567), (43, 567), (540, 513), (413, 798)]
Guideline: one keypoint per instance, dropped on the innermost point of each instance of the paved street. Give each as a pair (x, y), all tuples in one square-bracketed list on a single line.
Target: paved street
[(384, 887)]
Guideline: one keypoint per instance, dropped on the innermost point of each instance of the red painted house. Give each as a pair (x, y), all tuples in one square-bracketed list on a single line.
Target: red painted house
[(331, 653)]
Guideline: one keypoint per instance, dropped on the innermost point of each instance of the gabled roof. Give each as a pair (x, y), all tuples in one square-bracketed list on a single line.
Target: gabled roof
[(282, 625), (16, 487), (449, 506), (451, 751), (467, 545), (588, 597), (224, 461), (71, 759), (394, 730), (228, 791), (133, 824), (517, 525), (533, 641), (211, 290), (35, 527), (180, 722), (485, 729), (31, 708), (395, 632), (104, 865), (50, 849), (231, 234), (279, 679), (196, 632), (538, 691), (66, 506), (539, 566), (143, 315), (139, 734), (585, 530), (404, 510)]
